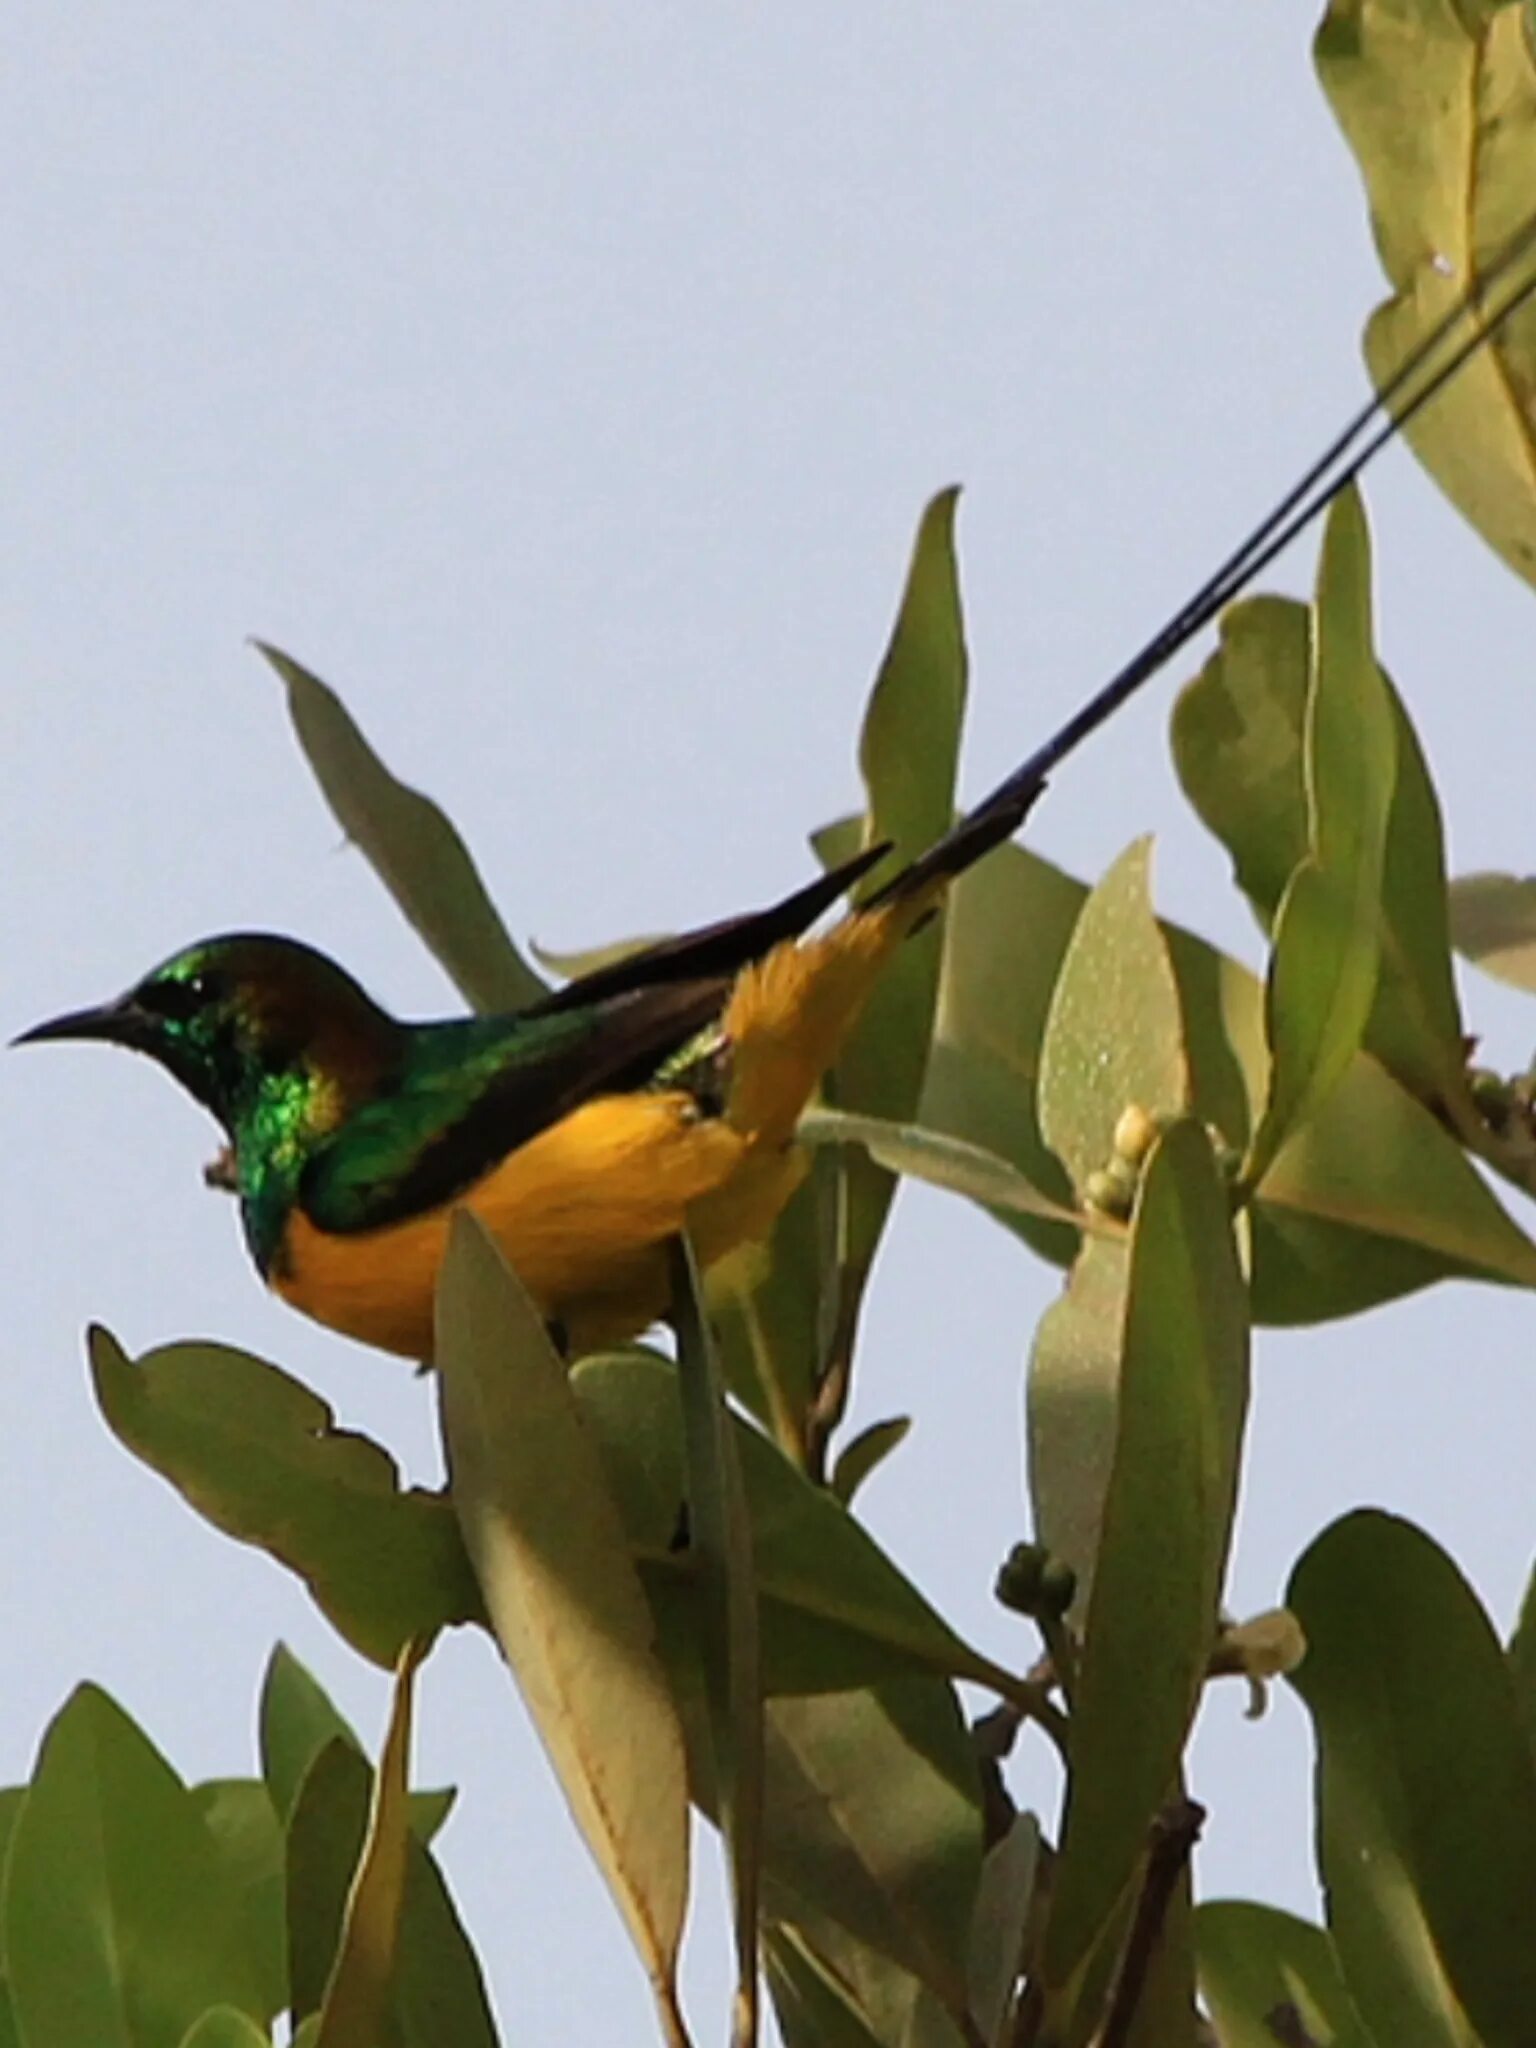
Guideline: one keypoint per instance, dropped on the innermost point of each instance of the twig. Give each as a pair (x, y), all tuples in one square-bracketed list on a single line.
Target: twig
[(1174, 1834)]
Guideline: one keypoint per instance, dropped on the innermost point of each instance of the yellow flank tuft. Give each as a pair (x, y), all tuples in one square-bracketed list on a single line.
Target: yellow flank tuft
[(789, 1015)]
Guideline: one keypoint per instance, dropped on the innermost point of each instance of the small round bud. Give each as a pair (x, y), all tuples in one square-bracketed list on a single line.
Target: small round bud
[(1136, 1132), (1492, 1096), (1018, 1580), (1103, 1191), (1487, 1086), (1058, 1587)]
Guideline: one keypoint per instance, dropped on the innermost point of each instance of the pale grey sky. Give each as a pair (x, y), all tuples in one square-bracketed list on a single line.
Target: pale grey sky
[(563, 384)]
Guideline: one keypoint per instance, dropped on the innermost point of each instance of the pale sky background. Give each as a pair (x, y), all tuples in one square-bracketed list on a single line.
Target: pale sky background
[(563, 383)]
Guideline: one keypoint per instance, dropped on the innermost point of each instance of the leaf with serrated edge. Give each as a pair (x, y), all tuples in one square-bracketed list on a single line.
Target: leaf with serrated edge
[(411, 844), (548, 1546)]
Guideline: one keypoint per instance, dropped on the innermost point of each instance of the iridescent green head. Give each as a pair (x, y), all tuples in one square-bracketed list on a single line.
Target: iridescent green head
[(243, 1018)]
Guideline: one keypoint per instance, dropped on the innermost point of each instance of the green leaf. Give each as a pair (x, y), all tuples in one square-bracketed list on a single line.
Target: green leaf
[(1327, 943), (1426, 1788), (1007, 925), (908, 753), (1153, 1612), (873, 1820), (1372, 1199), (324, 1840), (357, 1997), (259, 1456), (438, 1992), (1004, 1901), (834, 1610), (816, 2007), (941, 1161), (122, 1925), (1074, 1379), (831, 1991), (772, 1311), (1267, 1977), (239, 1816), (1115, 1032), (720, 1551), (1438, 102), (413, 847), (865, 1453), (1322, 981), (1522, 1660), (1239, 734), (1493, 924), (297, 1718), (224, 2027), (12, 1799), (541, 1525)]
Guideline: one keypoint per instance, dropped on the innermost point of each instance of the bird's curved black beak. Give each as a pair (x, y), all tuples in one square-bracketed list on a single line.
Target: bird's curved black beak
[(117, 1023)]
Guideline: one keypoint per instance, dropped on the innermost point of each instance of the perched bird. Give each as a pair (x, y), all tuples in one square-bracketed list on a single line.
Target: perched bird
[(584, 1131), (588, 1129)]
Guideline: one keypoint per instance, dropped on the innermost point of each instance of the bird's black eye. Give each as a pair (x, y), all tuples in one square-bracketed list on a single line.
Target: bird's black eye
[(180, 996)]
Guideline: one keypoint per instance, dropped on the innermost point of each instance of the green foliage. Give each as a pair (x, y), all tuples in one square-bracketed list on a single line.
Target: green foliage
[(548, 1547), (416, 850), (260, 1456), (1437, 99), (666, 1551), (137, 1911), (1426, 1791)]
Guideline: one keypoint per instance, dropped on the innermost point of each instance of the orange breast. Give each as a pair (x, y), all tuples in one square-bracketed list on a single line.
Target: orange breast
[(583, 1213), (585, 1210)]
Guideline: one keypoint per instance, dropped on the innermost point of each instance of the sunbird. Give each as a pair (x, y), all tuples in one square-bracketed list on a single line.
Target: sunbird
[(658, 1093)]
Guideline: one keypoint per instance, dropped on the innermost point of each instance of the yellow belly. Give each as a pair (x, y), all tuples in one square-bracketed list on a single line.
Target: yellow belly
[(583, 1213)]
